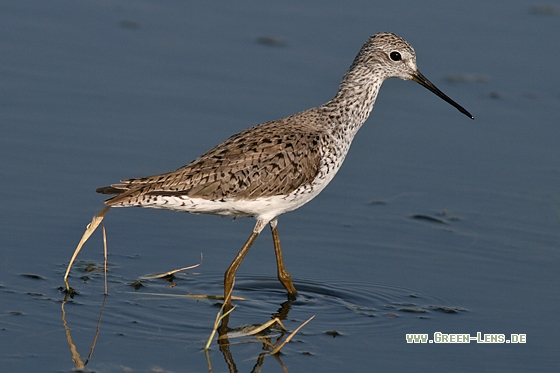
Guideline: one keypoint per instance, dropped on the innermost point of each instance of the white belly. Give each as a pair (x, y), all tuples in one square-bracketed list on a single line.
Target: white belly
[(261, 208)]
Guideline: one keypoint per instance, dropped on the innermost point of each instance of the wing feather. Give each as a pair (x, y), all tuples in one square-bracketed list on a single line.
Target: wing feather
[(273, 158)]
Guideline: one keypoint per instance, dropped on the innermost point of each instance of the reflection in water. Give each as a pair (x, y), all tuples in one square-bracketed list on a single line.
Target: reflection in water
[(224, 348), (272, 342), (76, 357), (268, 345), (281, 314), (353, 306)]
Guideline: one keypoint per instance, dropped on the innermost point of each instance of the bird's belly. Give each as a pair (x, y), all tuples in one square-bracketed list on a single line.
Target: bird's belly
[(263, 208)]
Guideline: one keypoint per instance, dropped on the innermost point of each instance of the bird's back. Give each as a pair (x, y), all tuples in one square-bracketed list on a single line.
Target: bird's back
[(270, 159)]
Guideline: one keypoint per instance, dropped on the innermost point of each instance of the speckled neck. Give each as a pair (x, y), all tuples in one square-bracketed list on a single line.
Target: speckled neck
[(355, 99)]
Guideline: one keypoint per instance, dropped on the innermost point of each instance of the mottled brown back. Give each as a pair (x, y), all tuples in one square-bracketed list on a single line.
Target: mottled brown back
[(273, 158)]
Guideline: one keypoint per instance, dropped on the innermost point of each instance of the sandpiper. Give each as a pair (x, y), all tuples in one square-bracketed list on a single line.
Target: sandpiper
[(278, 166)]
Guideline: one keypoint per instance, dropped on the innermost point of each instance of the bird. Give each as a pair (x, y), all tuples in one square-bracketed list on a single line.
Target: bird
[(278, 166)]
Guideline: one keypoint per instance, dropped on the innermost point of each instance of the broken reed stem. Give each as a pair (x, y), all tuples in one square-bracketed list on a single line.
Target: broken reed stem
[(266, 325), (277, 349), (91, 227), (169, 273), (219, 318), (105, 257)]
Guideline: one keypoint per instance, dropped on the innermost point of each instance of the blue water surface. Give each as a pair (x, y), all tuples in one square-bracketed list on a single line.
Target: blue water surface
[(435, 223)]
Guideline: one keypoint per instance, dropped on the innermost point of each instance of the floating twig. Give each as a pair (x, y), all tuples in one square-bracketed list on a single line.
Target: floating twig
[(289, 338), (162, 275), (194, 296)]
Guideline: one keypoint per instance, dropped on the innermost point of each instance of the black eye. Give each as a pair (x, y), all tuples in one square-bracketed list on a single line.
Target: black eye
[(395, 56)]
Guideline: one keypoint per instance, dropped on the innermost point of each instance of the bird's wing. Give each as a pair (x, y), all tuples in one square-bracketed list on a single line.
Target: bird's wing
[(273, 158)]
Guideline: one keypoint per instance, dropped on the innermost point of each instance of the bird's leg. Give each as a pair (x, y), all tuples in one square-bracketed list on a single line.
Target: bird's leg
[(283, 275), (229, 276)]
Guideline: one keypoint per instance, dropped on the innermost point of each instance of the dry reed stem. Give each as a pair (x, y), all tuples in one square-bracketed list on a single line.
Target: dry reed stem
[(162, 275), (91, 227), (289, 338), (219, 318)]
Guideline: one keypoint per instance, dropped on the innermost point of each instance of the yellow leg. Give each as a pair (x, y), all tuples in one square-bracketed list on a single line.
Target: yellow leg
[(229, 276), (283, 275)]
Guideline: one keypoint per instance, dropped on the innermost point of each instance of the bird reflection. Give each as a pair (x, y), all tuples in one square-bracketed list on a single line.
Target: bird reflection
[(268, 345), (271, 337)]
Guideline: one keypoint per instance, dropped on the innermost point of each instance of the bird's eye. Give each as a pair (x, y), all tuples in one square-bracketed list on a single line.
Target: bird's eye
[(395, 56)]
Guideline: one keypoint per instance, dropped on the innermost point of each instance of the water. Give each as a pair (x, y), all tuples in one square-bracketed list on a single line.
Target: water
[(95, 91)]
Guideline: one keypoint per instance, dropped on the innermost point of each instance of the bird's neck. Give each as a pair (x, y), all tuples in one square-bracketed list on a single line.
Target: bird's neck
[(353, 103)]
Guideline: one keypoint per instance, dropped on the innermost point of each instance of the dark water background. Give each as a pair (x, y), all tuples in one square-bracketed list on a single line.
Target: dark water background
[(95, 91)]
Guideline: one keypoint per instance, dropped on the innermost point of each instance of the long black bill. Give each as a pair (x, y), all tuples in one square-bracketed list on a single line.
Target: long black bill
[(421, 79)]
